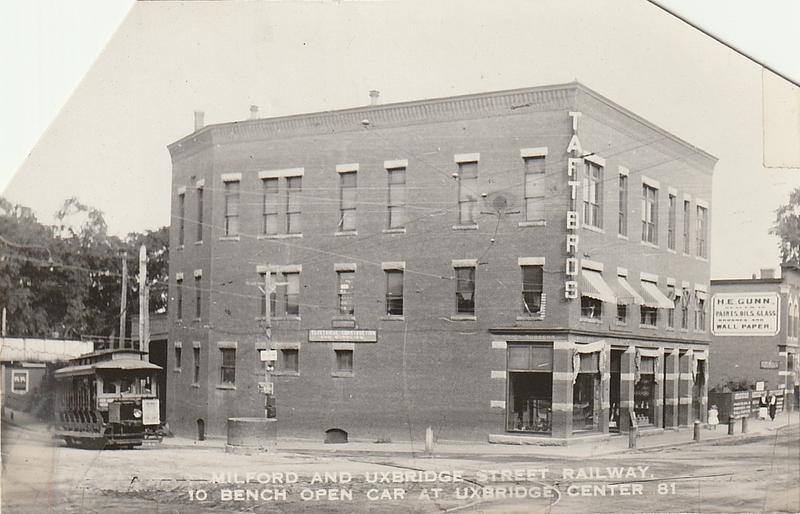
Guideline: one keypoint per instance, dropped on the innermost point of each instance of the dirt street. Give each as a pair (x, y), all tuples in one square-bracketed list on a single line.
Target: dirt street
[(755, 475)]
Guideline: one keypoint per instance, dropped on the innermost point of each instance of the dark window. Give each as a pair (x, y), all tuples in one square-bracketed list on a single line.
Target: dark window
[(181, 218), (179, 299), (109, 387), (290, 359), (671, 312), (344, 361), (591, 308), (347, 201), (673, 207), (534, 188), (228, 368), (196, 374), (397, 197), (685, 310), (269, 223), (532, 289), (648, 316), (346, 292), (198, 298), (291, 295), (687, 223), (467, 192), (623, 204), (178, 351), (394, 292), (700, 315), (622, 313), (649, 214), (199, 214), (593, 195), (294, 186), (231, 208), (465, 290)]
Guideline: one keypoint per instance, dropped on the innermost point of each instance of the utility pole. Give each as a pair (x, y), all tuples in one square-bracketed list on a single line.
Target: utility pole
[(4, 322), (142, 295), (123, 302), (268, 355)]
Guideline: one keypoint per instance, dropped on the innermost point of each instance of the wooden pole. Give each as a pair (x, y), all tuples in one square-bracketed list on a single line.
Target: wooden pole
[(123, 301), (142, 291), (268, 287)]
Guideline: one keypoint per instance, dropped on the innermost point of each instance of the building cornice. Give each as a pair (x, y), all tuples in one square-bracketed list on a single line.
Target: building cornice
[(593, 333)]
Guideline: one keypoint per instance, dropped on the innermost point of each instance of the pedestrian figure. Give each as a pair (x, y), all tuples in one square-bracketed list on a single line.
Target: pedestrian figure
[(762, 407), (772, 405), (713, 417)]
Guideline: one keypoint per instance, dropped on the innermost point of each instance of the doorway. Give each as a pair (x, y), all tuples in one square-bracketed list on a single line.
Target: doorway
[(158, 356), (614, 390)]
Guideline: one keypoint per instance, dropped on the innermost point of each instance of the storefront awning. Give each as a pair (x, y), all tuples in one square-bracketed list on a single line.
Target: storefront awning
[(654, 296), (593, 286), (626, 294)]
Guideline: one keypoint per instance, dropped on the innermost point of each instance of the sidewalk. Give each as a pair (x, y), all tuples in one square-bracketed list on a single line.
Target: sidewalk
[(612, 445)]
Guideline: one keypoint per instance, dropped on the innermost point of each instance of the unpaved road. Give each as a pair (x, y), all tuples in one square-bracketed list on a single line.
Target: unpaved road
[(756, 475)]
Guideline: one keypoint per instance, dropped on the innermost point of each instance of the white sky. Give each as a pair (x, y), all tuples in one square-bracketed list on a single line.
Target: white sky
[(107, 144)]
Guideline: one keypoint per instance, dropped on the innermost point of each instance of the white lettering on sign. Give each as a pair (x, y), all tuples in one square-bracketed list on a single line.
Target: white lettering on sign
[(745, 314), (573, 169), (349, 336)]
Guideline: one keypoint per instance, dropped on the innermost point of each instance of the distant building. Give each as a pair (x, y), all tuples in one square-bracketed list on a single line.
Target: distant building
[(521, 263), (755, 329)]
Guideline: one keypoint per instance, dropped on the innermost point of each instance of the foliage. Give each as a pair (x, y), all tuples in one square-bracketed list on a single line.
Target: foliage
[(787, 228), (63, 280)]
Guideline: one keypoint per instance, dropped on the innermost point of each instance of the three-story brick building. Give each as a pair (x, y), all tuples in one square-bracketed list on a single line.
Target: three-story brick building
[(521, 263)]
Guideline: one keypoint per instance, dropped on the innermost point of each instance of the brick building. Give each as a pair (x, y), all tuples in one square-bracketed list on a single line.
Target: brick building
[(758, 341), (521, 263)]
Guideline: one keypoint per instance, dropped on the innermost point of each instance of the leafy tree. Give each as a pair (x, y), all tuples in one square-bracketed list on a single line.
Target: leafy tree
[(787, 228)]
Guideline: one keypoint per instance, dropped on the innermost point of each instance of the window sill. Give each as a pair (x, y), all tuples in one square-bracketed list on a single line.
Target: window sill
[(344, 317), (286, 318), (671, 250), (649, 327), (671, 329), (463, 317), (538, 317), (342, 374), (198, 320), (260, 318), (394, 230), (622, 324), (286, 373), (465, 227), (699, 258), (592, 228), (393, 317), (621, 236), (198, 243), (648, 243), (532, 223), (596, 321), (196, 385), (227, 387), (229, 238), (180, 247), (345, 233), (685, 330), (176, 370), (281, 236)]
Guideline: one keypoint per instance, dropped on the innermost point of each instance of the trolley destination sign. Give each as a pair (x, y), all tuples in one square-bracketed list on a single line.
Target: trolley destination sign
[(745, 314)]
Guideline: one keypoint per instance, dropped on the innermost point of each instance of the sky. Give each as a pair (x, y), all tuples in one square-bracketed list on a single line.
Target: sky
[(96, 123)]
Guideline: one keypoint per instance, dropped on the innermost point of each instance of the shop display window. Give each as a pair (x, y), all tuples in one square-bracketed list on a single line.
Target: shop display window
[(586, 395), (644, 393), (530, 388)]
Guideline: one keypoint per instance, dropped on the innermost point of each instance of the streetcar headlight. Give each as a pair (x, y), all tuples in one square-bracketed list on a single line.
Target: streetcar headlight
[(137, 413)]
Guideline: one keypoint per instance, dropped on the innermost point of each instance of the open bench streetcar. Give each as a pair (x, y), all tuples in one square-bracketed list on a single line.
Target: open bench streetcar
[(107, 399)]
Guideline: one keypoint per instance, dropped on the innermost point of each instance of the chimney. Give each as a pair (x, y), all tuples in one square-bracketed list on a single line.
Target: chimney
[(374, 96), (767, 272), (253, 112), (198, 120)]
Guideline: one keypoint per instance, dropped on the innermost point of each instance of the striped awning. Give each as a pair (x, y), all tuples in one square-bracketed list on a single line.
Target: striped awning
[(654, 296), (626, 294), (593, 286)]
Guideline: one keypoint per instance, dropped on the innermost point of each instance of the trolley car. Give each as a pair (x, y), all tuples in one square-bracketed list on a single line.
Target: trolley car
[(107, 399)]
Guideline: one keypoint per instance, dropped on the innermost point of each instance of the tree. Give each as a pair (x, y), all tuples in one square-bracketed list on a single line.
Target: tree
[(787, 228)]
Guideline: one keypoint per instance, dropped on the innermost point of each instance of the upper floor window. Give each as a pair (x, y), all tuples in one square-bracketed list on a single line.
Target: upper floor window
[(198, 296), (394, 292), (228, 366), (270, 203), (534, 188), (685, 309), (532, 278), (467, 192), (231, 208), (178, 354), (347, 201), (673, 208), (179, 298), (671, 294), (199, 234), (593, 195), (649, 214), (465, 290), (290, 359), (397, 197), (623, 204), (591, 308), (289, 291), (181, 217), (196, 370), (700, 312), (687, 220), (346, 292), (648, 316), (702, 228), (294, 187)]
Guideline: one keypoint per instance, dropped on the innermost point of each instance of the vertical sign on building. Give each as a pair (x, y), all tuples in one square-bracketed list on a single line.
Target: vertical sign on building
[(574, 159)]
